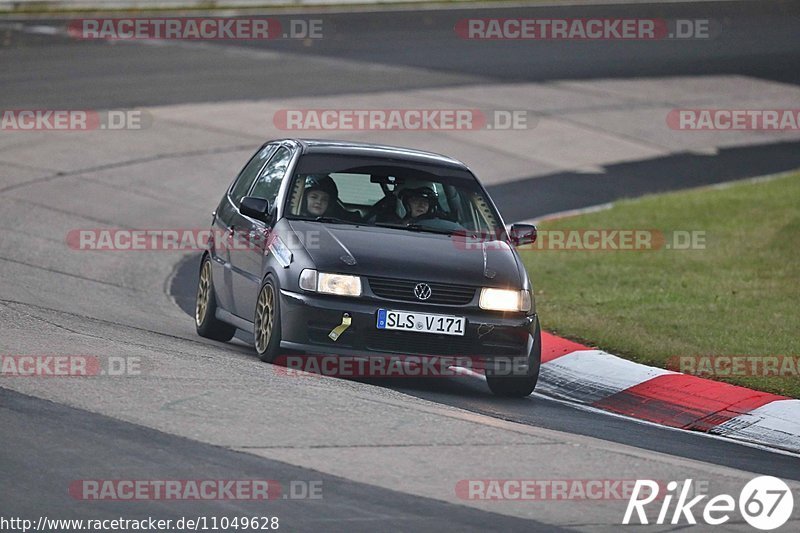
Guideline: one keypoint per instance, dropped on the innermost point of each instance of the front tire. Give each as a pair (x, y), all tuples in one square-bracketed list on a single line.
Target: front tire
[(267, 322), (205, 319), (520, 386)]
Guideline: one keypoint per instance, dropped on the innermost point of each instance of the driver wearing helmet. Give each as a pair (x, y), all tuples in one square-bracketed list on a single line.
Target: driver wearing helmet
[(321, 198), (419, 199)]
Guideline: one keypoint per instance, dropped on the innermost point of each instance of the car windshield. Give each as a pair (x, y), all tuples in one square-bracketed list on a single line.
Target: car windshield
[(423, 198)]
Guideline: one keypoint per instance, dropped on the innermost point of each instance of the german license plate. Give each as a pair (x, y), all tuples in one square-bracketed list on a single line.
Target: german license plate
[(421, 322)]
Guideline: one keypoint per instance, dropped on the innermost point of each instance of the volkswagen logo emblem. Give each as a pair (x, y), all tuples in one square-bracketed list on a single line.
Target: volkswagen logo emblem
[(422, 291)]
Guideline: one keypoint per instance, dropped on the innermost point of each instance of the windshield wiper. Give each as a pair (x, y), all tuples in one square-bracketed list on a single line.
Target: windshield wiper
[(333, 220), (329, 220), (414, 227)]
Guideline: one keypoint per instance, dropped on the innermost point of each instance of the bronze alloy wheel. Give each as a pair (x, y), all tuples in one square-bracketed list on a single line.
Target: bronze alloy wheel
[(205, 309), (203, 290), (265, 317)]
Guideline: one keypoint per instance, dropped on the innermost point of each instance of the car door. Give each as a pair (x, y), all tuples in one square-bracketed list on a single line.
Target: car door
[(246, 257), (225, 221)]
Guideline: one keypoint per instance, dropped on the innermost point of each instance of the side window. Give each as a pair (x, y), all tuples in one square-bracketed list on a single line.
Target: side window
[(248, 175), (270, 179)]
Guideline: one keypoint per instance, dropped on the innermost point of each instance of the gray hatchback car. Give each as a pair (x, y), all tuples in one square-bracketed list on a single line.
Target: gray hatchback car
[(362, 250)]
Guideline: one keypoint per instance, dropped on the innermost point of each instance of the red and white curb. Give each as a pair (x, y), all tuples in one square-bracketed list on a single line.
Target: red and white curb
[(580, 374)]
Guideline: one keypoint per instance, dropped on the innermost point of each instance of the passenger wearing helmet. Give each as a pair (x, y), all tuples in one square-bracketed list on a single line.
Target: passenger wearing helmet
[(321, 198)]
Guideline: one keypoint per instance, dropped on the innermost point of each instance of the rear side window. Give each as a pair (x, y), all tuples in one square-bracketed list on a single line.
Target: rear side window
[(248, 175), (269, 182)]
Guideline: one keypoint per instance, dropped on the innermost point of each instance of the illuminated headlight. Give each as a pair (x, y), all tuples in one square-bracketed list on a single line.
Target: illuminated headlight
[(505, 300), (323, 282)]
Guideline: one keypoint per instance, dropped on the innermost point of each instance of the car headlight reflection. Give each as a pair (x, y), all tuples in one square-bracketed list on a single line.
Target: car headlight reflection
[(505, 300), (327, 283)]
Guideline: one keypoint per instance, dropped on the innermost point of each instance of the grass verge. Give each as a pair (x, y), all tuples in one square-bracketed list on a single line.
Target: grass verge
[(739, 295)]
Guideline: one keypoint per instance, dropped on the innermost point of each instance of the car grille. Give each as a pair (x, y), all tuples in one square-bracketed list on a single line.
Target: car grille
[(403, 342), (403, 290)]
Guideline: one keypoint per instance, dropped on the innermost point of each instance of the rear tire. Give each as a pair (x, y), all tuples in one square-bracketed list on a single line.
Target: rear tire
[(267, 321), (205, 309), (520, 386)]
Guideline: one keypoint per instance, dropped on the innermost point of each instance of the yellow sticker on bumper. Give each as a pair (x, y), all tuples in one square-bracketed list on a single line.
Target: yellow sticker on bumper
[(338, 330)]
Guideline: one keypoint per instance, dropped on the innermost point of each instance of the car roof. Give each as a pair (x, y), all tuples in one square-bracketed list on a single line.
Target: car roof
[(319, 146)]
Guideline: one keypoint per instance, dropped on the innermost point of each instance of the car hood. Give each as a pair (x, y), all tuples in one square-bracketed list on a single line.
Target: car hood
[(395, 253)]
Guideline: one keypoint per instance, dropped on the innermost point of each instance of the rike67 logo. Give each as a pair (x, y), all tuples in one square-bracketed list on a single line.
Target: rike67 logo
[(765, 503)]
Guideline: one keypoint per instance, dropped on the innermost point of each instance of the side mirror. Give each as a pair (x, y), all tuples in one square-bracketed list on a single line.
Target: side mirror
[(257, 208), (521, 234)]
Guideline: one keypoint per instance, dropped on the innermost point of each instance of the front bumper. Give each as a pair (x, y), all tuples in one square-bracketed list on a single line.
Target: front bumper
[(308, 318)]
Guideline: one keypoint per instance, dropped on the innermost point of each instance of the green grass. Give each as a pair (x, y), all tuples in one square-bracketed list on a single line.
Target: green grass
[(738, 296)]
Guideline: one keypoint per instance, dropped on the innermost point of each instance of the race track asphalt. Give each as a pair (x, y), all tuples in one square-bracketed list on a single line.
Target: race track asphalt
[(388, 451)]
